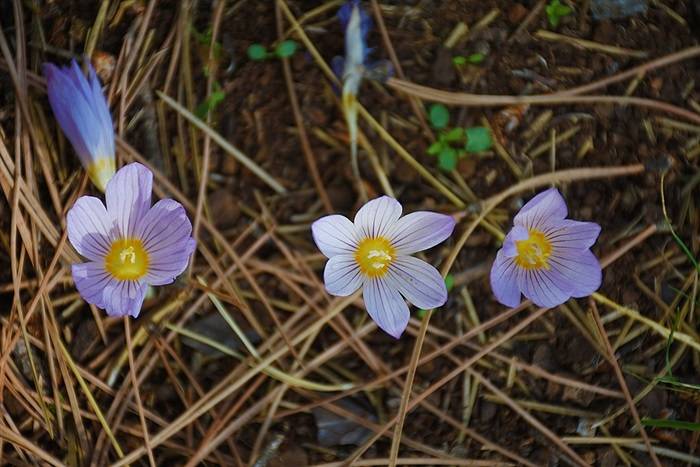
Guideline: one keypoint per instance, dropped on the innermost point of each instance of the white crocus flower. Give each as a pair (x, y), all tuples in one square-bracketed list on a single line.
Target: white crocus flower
[(373, 252)]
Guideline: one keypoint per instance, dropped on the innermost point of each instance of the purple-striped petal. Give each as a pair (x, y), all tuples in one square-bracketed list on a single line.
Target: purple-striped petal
[(128, 197), (98, 287), (420, 230), (342, 275), (386, 307), (419, 282), (544, 288), (377, 217), (166, 232), (334, 235), (89, 228), (124, 298), (545, 208), (572, 235), (581, 270), (90, 279), (504, 280)]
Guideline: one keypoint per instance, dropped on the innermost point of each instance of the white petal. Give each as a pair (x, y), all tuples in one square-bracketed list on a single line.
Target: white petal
[(386, 307), (418, 281), (334, 235), (342, 275), (376, 217), (420, 230)]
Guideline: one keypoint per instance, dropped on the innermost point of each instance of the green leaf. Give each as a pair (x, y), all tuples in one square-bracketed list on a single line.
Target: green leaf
[(476, 58), (478, 139), (439, 116), (454, 135), (257, 52), (556, 11), (459, 60), (449, 282), (211, 103), (435, 148), (447, 159), (674, 424), (286, 49)]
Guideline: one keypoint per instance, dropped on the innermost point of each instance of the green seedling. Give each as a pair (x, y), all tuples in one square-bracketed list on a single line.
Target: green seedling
[(556, 11), (454, 143), (285, 49), (473, 59), (215, 98)]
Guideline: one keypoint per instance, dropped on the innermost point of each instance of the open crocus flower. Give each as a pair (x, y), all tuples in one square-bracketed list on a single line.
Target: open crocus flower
[(546, 257), (373, 252), (130, 244), (81, 111)]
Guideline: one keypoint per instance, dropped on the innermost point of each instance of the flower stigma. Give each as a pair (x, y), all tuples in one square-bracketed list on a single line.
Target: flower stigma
[(374, 256), (533, 252), (127, 259)]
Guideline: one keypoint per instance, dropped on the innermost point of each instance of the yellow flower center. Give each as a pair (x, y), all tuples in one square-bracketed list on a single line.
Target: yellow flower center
[(127, 259), (374, 255), (534, 252)]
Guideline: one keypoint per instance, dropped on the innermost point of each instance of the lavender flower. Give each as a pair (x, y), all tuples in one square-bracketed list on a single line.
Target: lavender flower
[(374, 253), (82, 112), (546, 257), (130, 244)]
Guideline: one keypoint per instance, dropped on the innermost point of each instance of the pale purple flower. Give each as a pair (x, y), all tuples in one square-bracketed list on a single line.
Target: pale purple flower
[(129, 244), (373, 252), (81, 111), (546, 257)]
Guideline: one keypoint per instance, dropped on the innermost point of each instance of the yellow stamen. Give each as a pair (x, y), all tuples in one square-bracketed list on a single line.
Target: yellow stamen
[(100, 171), (374, 255), (127, 259), (534, 252)]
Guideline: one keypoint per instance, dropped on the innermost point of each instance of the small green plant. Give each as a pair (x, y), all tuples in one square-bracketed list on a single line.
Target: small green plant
[(473, 59), (215, 98), (284, 49), (454, 143), (556, 11)]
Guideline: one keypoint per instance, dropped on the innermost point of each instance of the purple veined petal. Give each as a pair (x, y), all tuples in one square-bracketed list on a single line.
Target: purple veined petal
[(166, 233), (517, 233), (128, 197), (342, 275), (90, 228), (568, 235), (377, 217), (124, 298), (419, 231), (90, 279), (418, 281), (581, 270), (334, 235), (386, 307), (504, 280), (545, 208), (72, 111), (101, 109), (544, 288)]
